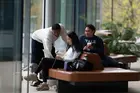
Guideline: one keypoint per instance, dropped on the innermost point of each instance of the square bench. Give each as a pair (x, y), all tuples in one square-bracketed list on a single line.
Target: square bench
[(107, 80)]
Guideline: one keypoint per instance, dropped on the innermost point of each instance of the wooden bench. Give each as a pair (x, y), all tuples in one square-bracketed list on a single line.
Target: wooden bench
[(109, 80), (99, 80), (126, 59)]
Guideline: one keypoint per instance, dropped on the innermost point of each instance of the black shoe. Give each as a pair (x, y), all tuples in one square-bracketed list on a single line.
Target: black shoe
[(36, 83), (122, 65)]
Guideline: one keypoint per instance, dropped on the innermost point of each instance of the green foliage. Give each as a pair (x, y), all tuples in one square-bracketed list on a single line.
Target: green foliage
[(127, 33), (109, 26), (119, 34)]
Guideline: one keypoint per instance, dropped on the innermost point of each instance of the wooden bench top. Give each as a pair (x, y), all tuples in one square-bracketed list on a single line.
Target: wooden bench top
[(124, 58), (108, 74)]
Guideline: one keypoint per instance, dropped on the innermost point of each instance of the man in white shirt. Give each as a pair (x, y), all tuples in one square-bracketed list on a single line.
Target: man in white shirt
[(42, 43)]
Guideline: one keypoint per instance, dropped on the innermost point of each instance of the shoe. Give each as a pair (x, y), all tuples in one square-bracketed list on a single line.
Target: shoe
[(31, 77), (122, 65), (54, 87), (36, 83), (42, 87)]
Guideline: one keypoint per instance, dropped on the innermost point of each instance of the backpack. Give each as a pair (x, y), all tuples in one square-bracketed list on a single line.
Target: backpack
[(78, 65)]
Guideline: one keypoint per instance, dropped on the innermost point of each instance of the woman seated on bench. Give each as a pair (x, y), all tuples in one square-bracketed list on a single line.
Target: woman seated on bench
[(73, 52)]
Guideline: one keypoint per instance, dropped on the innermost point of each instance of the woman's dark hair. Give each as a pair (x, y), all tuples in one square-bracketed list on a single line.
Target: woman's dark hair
[(56, 27), (90, 26), (75, 41)]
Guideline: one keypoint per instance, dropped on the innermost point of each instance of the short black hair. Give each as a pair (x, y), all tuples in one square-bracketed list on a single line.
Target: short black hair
[(56, 27), (92, 27)]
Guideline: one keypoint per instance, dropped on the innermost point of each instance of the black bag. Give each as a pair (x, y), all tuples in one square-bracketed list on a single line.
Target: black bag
[(79, 65)]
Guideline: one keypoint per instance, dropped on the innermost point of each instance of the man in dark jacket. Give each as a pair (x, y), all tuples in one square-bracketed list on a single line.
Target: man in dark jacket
[(94, 44)]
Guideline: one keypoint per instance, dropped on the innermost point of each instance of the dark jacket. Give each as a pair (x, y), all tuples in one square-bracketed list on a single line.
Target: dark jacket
[(97, 43)]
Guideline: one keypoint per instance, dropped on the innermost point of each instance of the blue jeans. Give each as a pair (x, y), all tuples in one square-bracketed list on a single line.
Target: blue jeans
[(109, 62)]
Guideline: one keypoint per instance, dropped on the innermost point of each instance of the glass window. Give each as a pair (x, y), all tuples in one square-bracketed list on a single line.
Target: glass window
[(106, 10), (124, 12), (74, 14), (65, 15), (35, 22), (80, 16), (10, 45), (36, 14), (94, 13)]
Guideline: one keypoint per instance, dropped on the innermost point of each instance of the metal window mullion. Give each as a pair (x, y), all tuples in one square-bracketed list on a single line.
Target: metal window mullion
[(27, 9)]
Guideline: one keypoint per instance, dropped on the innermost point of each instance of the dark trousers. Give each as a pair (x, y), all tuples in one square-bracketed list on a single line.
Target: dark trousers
[(46, 64), (37, 51), (109, 62)]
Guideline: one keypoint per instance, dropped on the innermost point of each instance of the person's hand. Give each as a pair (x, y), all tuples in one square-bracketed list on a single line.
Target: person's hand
[(89, 46), (85, 48), (58, 57)]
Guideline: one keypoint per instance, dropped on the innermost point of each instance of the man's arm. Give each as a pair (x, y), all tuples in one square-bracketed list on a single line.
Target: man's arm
[(63, 33), (47, 43)]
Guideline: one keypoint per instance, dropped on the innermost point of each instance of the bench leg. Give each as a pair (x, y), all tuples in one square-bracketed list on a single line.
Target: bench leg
[(129, 65), (66, 87)]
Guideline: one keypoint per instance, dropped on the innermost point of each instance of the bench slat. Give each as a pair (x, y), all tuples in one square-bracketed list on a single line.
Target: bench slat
[(125, 58)]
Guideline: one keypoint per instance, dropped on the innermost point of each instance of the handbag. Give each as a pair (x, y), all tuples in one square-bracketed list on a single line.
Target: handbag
[(78, 65)]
